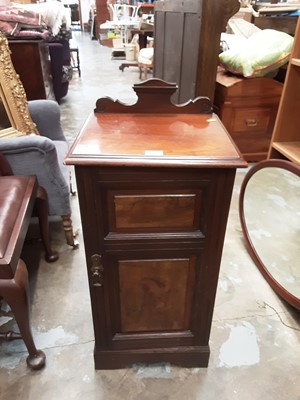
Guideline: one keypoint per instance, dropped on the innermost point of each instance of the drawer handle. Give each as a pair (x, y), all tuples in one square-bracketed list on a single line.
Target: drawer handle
[(252, 122), (97, 270)]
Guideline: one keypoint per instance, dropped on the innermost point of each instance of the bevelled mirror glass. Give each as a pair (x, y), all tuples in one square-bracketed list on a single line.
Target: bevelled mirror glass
[(270, 218)]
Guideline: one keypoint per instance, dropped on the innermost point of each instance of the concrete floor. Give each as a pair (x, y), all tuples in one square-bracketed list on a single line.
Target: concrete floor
[(255, 336)]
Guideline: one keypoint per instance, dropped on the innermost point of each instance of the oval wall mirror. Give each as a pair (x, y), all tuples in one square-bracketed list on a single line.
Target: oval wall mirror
[(269, 207)]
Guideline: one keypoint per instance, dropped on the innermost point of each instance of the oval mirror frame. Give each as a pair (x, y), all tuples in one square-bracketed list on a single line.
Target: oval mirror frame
[(276, 286)]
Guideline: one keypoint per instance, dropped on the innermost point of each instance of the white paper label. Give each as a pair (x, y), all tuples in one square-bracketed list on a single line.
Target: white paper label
[(154, 153)]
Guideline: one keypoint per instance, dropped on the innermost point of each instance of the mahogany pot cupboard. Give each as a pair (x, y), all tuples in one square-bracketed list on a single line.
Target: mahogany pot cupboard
[(154, 183)]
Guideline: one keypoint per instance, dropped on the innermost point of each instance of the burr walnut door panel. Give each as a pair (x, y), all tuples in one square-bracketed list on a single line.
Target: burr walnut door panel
[(153, 296)]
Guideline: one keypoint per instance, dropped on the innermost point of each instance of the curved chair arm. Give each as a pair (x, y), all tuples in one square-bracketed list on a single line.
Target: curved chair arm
[(37, 155), (46, 115)]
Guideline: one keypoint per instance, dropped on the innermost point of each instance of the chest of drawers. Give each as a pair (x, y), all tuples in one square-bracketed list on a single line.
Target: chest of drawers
[(248, 108)]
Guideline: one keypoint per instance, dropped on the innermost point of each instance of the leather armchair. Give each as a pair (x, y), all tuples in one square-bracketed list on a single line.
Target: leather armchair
[(43, 156)]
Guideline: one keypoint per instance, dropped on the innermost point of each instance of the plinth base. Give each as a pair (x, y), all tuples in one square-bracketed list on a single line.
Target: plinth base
[(186, 357)]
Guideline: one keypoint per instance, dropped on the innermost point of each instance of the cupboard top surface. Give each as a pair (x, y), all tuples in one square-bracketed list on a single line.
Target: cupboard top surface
[(245, 87), (138, 139)]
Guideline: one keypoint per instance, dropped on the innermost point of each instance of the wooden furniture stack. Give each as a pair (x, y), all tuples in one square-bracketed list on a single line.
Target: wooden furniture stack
[(154, 183), (285, 142), (102, 15), (31, 61), (248, 108), (276, 15)]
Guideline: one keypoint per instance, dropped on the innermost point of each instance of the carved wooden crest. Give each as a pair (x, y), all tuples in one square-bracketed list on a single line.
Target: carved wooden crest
[(154, 97)]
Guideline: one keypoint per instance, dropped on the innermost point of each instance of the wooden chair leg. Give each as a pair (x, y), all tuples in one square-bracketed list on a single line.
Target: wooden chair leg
[(41, 204), (145, 73), (15, 293), (68, 229), (73, 192), (143, 68)]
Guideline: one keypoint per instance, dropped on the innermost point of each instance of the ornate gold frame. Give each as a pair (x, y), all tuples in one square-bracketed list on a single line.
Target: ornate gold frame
[(13, 96)]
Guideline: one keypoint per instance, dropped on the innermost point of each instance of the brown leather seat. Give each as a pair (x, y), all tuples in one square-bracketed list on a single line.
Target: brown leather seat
[(14, 215)]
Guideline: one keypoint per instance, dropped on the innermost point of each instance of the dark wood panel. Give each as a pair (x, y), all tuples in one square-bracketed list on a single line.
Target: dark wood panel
[(172, 46), (247, 108), (251, 119), (187, 32), (214, 17), (259, 143), (155, 295), (153, 274), (153, 211), (191, 30), (102, 15), (159, 44), (169, 203), (284, 24), (183, 356), (31, 61)]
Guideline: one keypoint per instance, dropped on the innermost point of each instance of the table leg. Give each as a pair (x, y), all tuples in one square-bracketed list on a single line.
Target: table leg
[(15, 292), (41, 204)]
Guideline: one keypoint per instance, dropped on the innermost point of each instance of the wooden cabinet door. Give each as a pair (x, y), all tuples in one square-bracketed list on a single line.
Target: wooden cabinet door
[(148, 297), (153, 241)]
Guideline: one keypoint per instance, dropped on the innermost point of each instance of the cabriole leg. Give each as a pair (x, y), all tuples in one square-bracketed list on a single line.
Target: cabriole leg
[(15, 293)]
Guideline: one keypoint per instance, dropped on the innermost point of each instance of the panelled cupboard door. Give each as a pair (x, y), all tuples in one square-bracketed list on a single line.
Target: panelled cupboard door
[(149, 293), (153, 259)]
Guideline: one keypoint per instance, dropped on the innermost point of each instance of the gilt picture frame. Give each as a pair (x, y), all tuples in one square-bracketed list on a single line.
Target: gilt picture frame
[(15, 119)]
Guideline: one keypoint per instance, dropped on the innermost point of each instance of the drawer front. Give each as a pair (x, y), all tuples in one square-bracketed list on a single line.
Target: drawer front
[(155, 210), (152, 210), (145, 204), (251, 119), (252, 143)]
